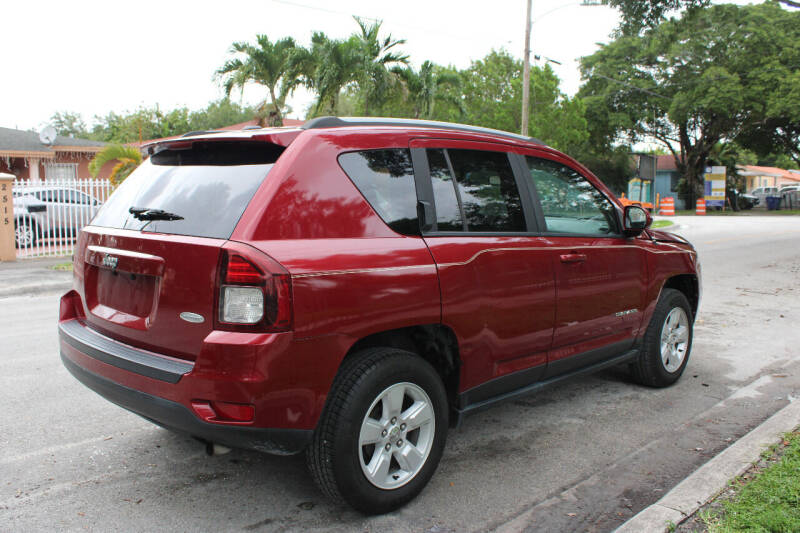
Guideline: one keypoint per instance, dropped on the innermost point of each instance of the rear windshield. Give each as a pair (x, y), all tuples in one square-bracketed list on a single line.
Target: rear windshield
[(209, 185)]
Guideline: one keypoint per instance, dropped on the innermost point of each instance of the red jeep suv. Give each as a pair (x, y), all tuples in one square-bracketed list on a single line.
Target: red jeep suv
[(354, 287)]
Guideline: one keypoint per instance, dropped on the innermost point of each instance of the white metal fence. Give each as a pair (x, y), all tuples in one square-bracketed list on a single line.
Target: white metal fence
[(49, 214)]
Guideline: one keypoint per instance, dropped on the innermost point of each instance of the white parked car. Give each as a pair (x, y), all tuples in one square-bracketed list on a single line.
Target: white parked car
[(48, 211), (762, 192)]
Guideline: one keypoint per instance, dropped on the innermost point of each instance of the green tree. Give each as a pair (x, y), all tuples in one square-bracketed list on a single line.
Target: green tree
[(127, 157), (69, 124), (777, 124), (638, 15), (327, 68), (142, 124), (218, 114), (693, 82), (423, 88), (268, 64), (492, 89), (373, 75)]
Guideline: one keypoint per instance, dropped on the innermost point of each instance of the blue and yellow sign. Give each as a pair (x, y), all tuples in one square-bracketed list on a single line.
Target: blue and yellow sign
[(715, 187)]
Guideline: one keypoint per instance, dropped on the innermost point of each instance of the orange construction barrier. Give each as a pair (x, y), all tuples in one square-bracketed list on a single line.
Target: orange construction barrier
[(667, 206), (701, 207)]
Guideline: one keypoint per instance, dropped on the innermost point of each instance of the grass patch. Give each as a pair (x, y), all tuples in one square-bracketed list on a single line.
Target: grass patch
[(662, 224), (766, 498), (67, 266)]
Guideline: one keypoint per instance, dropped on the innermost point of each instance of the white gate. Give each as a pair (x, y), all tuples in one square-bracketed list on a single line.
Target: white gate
[(49, 214)]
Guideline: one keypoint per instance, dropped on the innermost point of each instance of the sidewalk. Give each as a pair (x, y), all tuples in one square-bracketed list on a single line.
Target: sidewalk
[(33, 276), (711, 478)]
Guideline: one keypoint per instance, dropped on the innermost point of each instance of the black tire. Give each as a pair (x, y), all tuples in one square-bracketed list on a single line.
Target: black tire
[(32, 230), (334, 456), (649, 369)]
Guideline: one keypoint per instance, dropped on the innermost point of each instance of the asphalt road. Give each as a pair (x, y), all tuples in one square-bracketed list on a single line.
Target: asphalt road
[(583, 456)]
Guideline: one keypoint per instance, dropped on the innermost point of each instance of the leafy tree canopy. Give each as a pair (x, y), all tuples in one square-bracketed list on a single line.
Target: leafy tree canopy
[(151, 122), (267, 63), (492, 97), (639, 15), (69, 124), (690, 83)]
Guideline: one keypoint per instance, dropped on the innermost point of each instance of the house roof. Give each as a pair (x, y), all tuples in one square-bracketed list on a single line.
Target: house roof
[(665, 162), (21, 143), (775, 172)]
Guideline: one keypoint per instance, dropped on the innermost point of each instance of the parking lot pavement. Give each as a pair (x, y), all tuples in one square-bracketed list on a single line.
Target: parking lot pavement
[(582, 456)]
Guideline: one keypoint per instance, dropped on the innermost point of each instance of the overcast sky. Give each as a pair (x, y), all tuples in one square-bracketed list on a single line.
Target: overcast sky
[(93, 57)]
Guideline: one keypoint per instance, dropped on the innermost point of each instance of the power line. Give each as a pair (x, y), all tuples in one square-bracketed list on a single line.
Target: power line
[(323, 9), (427, 31)]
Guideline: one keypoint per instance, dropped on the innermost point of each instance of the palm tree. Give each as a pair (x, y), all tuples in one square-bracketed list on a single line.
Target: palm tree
[(373, 76), (327, 68), (422, 87), (267, 63), (361, 61), (129, 158)]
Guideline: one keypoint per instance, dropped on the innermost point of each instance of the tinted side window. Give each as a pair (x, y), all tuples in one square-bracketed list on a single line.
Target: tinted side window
[(386, 179), (570, 203), (487, 190), (448, 212)]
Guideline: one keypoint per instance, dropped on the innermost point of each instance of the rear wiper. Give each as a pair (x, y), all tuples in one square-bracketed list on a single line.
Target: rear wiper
[(146, 213)]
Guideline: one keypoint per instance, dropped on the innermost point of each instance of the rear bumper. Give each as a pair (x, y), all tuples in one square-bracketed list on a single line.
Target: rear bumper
[(165, 412)]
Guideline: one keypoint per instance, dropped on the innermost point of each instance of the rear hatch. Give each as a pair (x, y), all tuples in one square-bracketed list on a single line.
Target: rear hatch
[(151, 255)]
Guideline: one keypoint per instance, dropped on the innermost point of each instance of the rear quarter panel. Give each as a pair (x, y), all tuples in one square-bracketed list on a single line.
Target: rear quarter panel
[(352, 276)]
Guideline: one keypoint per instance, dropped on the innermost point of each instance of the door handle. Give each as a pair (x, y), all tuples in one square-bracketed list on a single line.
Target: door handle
[(573, 258)]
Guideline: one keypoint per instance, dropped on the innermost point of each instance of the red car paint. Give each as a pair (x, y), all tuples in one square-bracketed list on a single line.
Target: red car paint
[(517, 305)]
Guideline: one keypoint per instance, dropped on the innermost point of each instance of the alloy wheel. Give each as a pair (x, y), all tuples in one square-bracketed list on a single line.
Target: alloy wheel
[(396, 435), (674, 339)]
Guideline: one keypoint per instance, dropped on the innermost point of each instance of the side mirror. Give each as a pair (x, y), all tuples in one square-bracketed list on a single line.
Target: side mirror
[(635, 220)]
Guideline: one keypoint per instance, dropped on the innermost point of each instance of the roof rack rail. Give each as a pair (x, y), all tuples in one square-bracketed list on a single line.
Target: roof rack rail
[(199, 132), (338, 122)]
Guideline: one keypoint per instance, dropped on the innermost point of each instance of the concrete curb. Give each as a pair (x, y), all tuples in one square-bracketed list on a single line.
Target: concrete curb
[(39, 288), (707, 481)]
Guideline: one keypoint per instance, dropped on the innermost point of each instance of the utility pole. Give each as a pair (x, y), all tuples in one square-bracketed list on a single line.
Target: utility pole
[(526, 71)]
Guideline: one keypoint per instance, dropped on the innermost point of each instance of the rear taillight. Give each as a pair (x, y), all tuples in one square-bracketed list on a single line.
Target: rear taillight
[(239, 270), (253, 295), (241, 305)]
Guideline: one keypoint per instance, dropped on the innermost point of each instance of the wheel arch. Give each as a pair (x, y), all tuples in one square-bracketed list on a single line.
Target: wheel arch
[(687, 284), (436, 343)]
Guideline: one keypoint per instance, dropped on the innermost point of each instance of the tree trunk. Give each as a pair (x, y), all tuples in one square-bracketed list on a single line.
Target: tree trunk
[(275, 118), (695, 160)]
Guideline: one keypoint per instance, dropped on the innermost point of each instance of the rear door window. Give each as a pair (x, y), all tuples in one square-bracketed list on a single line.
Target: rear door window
[(445, 193), (484, 189), (208, 185), (386, 179)]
